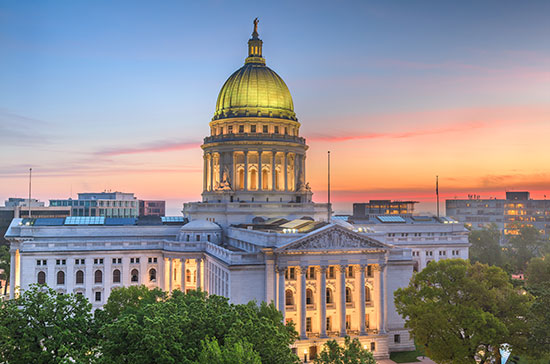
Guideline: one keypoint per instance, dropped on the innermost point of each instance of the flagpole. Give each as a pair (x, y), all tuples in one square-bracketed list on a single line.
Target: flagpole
[(437, 193), (329, 212), (30, 185)]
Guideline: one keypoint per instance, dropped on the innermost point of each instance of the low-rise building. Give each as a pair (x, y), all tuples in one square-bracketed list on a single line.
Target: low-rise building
[(107, 204), (152, 208)]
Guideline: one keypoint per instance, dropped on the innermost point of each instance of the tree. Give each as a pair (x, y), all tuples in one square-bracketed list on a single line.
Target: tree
[(485, 246), (240, 352), (43, 326), (459, 312), (351, 353), (524, 246), (141, 326), (5, 260), (538, 343), (538, 271)]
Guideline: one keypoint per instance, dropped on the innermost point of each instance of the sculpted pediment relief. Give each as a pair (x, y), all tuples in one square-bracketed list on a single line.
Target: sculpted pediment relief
[(332, 238)]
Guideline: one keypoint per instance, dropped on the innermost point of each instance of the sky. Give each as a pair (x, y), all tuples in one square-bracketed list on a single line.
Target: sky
[(117, 95)]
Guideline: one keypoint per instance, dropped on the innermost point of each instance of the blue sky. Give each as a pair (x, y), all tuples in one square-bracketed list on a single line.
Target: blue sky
[(83, 80)]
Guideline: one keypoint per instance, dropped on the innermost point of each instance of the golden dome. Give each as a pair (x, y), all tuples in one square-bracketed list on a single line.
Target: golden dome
[(254, 90)]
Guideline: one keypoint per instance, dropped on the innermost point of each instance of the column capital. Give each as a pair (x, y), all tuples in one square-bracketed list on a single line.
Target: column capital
[(280, 268), (363, 266), (303, 268), (380, 266), (342, 267), (324, 269)]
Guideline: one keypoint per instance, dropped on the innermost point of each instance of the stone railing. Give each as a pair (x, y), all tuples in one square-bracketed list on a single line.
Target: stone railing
[(254, 137)]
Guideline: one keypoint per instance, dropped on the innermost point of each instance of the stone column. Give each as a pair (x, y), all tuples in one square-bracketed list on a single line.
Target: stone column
[(323, 300), (246, 170), (362, 328), (205, 173), (382, 294), (171, 275), (199, 275), (221, 157), (303, 313), (12, 275), (260, 170), (281, 272), (211, 172), (183, 275), (273, 184), (342, 272), (286, 171)]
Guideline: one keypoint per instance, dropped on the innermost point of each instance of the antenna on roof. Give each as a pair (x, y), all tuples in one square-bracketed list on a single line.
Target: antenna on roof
[(329, 212), (437, 193)]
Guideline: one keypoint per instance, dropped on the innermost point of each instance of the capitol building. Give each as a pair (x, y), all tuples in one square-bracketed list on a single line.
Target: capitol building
[(256, 234)]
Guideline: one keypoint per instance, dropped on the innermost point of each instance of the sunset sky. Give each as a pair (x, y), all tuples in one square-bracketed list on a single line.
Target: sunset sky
[(99, 95)]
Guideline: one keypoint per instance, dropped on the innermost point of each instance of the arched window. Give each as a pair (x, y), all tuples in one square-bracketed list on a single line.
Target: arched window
[(415, 267), (41, 279), (349, 297), (98, 276), (135, 275), (309, 297), (79, 277), (188, 276), (116, 276), (253, 179), (152, 275), (241, 179), (367, 294), (60, 277), (265, 179), (330, 298), (289, 298)]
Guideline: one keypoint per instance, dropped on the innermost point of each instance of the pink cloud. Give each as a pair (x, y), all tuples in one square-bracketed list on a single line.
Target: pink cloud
[(434, 122), (154, 147)]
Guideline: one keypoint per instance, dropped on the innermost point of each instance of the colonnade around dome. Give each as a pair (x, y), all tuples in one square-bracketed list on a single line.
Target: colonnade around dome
[(253, 170)]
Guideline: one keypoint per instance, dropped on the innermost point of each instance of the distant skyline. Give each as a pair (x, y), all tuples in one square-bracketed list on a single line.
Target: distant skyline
[(102, 95)]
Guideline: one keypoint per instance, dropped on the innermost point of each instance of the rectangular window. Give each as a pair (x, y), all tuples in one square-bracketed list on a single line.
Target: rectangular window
[(329, 327), (57, 261), (150, 260), (369, 270), (311, 273), (114, 260), (367, 321), (397, 339), (276, 130), (98, 296), (241, 128), (348, 322), (230, 129), (198, 237), (330, 273), (252, 128), (308, 324), (286, 130), (96, 261), (265, 129), (131, 260), (119, 260), (38, 262), (372, 346), (137, 260), (349, 271), (154, 260)]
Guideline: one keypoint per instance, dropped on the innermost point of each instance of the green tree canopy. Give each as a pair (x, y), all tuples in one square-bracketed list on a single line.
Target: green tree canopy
[(538, 271), (350, 353), (5, 266), (141, 326), (43, 326), (240, 352), (459, 312), (485, 246), (524, 246)]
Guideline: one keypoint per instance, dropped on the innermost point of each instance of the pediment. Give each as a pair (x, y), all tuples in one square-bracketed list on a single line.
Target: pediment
[(332, 237)]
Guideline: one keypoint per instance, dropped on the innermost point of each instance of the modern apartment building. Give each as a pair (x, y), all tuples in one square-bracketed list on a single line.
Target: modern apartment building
[(509, 214)]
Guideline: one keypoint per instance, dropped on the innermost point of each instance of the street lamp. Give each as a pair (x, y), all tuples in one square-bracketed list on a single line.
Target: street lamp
[(305, 355)]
